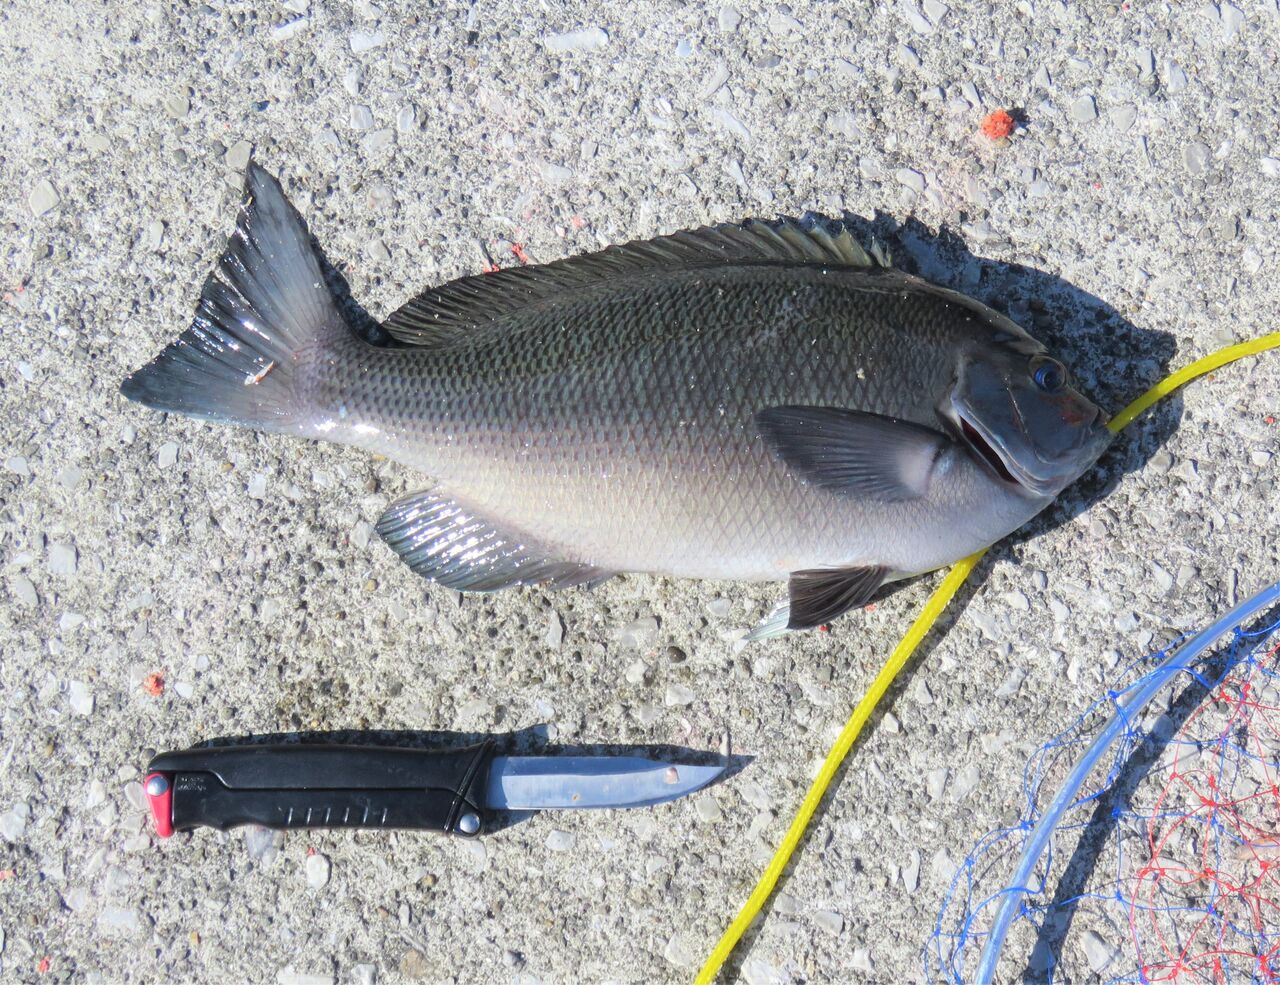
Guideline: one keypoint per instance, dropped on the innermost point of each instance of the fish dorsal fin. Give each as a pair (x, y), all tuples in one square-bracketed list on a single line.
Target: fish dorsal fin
[(439, 313)]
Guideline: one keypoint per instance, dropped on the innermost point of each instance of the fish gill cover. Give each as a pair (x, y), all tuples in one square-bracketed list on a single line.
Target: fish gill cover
[(1165, 866)]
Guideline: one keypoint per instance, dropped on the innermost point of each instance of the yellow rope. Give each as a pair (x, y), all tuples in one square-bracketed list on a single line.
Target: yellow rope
[(1203, 365), (933, 608)]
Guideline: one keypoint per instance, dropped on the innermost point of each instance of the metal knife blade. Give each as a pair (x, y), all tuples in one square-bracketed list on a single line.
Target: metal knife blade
[(582, 782)]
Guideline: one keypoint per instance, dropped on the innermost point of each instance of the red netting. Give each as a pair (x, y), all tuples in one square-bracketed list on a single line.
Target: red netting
[(1203, 907)]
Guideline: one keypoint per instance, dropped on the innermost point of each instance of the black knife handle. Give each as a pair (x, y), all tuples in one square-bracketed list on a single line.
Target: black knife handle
[(320, 786)]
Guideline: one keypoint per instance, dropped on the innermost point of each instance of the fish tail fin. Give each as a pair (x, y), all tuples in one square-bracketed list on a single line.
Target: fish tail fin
[(265, 306)]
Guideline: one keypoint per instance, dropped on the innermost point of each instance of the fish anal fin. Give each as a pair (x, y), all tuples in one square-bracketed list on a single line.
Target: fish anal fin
[(849, 451), (819, 595), (443, 540)]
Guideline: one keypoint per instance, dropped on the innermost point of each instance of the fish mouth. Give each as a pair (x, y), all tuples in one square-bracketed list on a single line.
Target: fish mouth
[(1005, 465), (998, 457), (987, 452)]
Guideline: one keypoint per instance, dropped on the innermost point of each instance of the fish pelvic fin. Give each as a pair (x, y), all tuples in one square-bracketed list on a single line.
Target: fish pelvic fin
[(444, 541), (265, 305), (820, 595)]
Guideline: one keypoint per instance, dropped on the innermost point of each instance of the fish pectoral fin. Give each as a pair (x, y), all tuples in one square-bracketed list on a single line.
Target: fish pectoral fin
[(443, 540), (819, 595), (850, 451)]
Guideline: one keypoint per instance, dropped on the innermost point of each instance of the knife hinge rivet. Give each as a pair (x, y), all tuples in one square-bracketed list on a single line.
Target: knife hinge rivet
[(469, 823), (157, 785)]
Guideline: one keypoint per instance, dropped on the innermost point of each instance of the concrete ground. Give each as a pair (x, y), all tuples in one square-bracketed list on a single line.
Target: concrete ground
[(1131, 222)]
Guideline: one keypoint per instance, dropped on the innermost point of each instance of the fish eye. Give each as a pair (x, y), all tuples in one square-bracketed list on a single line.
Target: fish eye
[(1049, 375)]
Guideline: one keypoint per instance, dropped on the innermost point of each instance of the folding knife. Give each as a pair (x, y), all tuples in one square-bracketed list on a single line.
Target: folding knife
[(455, 791)]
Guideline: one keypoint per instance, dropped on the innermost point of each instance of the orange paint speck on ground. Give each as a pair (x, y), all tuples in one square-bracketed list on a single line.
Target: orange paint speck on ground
[(153, 684), (43, 965), (997, 125)]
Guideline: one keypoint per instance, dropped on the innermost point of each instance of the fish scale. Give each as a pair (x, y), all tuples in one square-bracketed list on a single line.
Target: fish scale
[(760, 401)]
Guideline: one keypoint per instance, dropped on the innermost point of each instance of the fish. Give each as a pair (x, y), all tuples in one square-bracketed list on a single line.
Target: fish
[(762, 401)]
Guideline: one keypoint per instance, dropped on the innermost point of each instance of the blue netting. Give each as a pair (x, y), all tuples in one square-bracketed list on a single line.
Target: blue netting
[(1150, 833)]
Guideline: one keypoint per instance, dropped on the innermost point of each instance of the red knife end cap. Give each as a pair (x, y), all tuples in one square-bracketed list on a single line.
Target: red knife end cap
[(159, 789)]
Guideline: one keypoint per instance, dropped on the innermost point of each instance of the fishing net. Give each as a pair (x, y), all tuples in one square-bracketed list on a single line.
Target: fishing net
[(1164, 866)]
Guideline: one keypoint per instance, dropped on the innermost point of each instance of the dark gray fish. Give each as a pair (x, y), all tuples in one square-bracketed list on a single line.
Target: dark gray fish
[(766, 401)]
